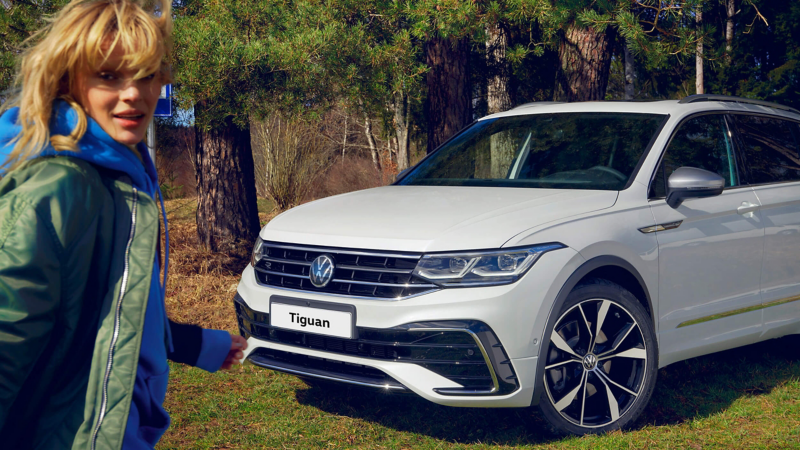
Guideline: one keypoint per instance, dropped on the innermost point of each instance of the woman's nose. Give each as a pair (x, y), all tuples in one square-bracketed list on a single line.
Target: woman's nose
[(131, 92)]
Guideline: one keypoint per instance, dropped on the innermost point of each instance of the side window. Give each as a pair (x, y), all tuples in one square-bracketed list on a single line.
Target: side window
[(770, 147), (700, 142)]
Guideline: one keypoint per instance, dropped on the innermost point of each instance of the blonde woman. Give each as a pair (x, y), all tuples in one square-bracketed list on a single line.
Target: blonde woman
[(84, 335)]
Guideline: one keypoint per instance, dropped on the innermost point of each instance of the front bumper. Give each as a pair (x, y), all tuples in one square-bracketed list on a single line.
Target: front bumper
[(465, 352), (490, 360)]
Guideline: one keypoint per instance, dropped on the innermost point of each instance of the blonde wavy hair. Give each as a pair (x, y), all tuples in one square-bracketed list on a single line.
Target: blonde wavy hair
[(79, 38)]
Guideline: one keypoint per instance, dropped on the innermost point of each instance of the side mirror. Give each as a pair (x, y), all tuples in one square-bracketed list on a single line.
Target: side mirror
[(691, 182)]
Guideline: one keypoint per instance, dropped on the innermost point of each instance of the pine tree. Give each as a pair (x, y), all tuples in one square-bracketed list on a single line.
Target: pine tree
[(19, 20)]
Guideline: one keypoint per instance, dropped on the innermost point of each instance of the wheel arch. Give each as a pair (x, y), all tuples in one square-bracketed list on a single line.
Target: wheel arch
[(611, 268)]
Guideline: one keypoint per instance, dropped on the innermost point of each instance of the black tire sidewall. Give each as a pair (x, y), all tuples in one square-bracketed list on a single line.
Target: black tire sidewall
[(603, 289)]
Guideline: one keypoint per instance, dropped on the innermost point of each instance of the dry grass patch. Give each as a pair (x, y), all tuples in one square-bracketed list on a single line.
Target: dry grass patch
[(202, 283)]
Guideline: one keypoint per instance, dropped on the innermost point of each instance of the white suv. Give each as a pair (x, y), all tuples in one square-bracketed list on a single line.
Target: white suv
[(556, 254)]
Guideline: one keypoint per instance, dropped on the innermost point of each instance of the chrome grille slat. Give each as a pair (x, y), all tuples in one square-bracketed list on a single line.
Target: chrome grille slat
[(286, 261), (370, 283), (281, 274), (357, 273), (344, 251), (372, 269)]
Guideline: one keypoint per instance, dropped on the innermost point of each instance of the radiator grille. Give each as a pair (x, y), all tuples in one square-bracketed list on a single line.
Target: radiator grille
[(366, 274)]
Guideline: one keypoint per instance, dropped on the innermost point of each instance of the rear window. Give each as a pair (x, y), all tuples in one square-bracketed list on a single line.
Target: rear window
[(771, 149)]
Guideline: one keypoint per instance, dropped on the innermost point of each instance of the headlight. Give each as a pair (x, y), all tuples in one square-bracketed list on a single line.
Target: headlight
[(481, 268), (257, 251)]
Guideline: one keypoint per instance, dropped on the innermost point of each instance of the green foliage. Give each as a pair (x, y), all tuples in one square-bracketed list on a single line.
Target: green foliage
[(765, 58), (250, 57), (445, 18), (170, 190), (763, 64), (19, 20), (595, 19), (658, 32)]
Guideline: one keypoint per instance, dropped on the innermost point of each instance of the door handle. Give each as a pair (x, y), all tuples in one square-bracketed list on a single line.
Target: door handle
[(747, 209)]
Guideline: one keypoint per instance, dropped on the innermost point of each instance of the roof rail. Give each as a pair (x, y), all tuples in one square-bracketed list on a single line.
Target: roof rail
[(524, 105), (727, 98)]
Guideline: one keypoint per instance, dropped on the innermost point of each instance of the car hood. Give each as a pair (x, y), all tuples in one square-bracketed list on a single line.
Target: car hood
[(429, 218)]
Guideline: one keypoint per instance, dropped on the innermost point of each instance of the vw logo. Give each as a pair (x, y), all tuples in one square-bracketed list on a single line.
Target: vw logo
[(321, 271), (589, 361)]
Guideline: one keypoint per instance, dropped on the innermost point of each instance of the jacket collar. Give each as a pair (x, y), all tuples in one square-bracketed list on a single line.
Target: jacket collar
[(96, 146)]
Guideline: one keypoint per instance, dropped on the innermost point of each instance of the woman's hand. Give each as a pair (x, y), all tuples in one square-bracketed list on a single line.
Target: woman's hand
[(235, 355)]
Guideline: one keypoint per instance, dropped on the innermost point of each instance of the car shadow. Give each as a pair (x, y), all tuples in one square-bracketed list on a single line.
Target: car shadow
[(686, 390)]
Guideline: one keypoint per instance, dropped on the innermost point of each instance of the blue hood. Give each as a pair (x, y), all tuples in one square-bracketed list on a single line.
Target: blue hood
[(96, 146)]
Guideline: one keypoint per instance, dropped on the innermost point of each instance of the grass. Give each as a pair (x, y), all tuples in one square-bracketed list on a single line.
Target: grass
[(746, 398)]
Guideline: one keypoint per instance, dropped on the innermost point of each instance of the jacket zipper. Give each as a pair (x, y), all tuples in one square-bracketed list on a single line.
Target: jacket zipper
[(118, 312)]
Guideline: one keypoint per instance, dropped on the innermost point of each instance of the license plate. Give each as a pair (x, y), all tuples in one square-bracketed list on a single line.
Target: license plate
[(312, 320)]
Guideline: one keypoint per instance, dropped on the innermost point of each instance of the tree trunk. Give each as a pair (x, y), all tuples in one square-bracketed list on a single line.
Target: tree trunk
[(584, 62), (227, 211), (698, 84), (373, 148), (498, 97), (498, 86), (448, 89), (401, 122), (730, 6), (344, 139), (630, 74)]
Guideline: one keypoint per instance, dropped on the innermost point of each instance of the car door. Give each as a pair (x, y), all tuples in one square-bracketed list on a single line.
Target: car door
[(710, 249), (772, 158)]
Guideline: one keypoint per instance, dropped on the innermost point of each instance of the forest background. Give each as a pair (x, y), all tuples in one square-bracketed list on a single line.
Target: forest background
[(300, 99), (296, 100)]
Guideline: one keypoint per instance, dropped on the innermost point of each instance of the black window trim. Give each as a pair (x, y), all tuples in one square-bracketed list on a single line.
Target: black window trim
[(647, 151), (738, 153), (743, 176), (740, 144)]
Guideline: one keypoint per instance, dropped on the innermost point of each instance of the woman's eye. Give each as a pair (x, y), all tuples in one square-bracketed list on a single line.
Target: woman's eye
[(108, 76), (150, 77)]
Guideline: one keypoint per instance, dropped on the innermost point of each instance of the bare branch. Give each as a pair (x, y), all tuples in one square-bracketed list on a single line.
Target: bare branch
[(755, 19)]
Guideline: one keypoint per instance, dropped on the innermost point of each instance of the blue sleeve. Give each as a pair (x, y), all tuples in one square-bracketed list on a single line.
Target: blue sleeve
[(216, 344)]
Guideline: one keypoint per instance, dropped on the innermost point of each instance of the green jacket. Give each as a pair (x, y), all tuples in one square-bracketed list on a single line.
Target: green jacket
[(75, 241)]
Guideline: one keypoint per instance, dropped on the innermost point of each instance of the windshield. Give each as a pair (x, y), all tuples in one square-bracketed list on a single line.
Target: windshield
[(556, 151)]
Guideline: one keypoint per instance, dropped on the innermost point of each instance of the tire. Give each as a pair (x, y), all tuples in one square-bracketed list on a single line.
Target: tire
[(595, 382)]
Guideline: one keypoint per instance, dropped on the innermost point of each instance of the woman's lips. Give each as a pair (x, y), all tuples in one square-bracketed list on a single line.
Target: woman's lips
[(132, 120)]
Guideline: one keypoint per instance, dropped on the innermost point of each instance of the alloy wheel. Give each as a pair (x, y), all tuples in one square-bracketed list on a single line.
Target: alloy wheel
[(596, 364)]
